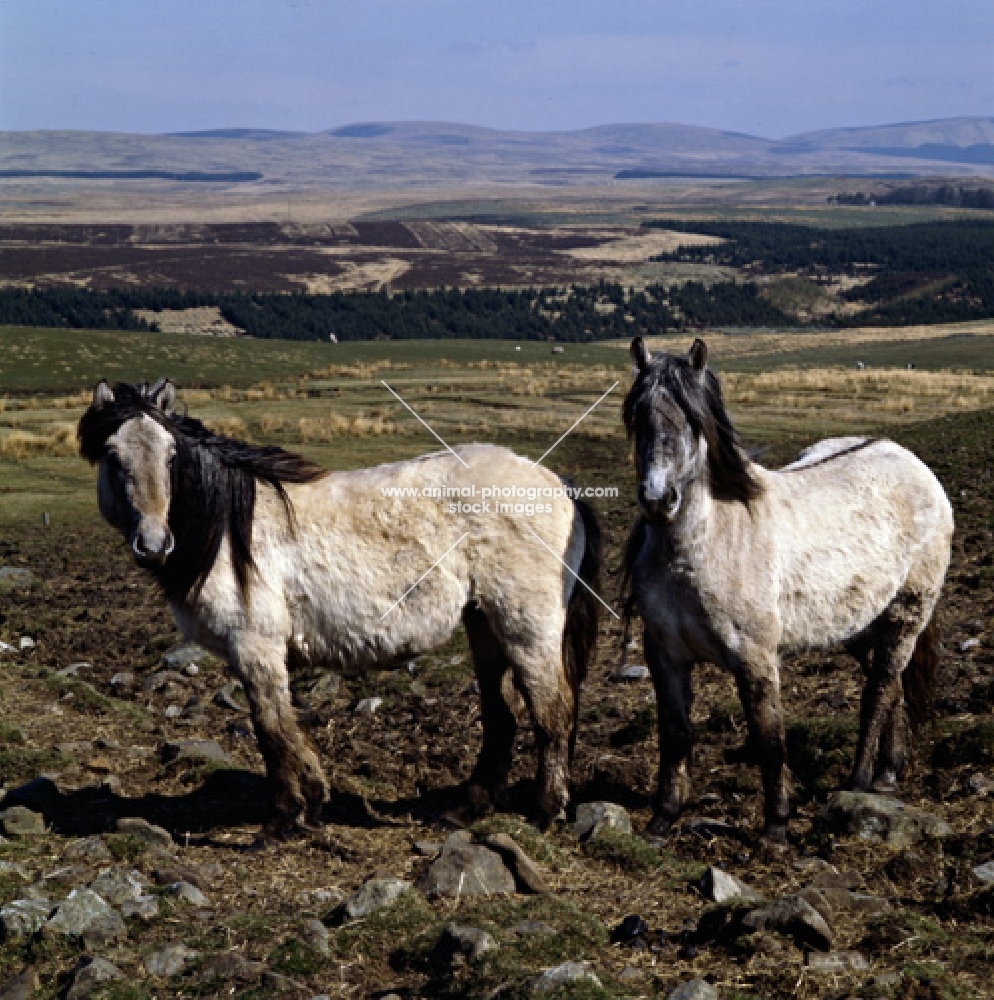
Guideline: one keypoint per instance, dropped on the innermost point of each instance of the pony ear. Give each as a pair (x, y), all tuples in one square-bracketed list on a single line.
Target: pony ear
[(162, 395), (103, 395), (698, 356), (641, 354)]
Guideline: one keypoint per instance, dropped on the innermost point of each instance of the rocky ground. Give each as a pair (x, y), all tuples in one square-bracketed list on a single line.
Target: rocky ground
[(131, 863)]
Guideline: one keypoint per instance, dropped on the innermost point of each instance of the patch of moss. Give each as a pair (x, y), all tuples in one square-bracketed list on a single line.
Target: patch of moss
[(125, 847), (535, 844), (292, 957), (638, 730), (10, 734), (973, 744), (386, 930), (20, 765), (627, 851), (820, 751)]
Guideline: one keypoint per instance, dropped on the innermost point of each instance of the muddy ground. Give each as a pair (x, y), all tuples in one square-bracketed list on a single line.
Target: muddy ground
[(99, 745)]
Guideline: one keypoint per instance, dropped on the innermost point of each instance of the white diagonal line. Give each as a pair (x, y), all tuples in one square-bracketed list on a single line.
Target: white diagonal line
[(444, 445), (570, 571), (570, 431), (425, 573)]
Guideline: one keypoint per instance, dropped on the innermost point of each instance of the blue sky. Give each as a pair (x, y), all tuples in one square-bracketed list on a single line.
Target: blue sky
[(766, 67)]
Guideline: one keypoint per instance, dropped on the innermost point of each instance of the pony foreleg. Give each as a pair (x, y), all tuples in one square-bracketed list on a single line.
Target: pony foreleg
[(759, 687), (674, 696), (298, 783)]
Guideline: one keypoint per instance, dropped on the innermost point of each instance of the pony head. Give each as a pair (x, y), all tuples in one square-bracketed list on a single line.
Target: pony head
[(676, 416)]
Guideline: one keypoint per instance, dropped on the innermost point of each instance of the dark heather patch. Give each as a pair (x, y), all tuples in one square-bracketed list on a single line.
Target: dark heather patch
[(729, 469), (213, 486), (831, 458)]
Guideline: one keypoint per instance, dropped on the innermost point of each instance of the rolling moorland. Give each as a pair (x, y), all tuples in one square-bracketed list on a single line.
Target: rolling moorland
[(94, 706)]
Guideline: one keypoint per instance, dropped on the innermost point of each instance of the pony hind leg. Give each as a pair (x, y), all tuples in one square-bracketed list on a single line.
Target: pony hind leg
[(674, 698), (299, 786), (499, 719)]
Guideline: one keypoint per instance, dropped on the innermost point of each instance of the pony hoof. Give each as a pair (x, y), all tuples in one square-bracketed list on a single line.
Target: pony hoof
[(885, 784), (775, 836)]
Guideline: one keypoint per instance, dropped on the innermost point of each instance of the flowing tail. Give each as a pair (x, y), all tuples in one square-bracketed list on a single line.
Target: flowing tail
[(920, 676), (580, 633)]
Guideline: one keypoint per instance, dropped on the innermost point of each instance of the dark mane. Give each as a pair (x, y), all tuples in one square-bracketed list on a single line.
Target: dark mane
[(213, 486), (730, 476)]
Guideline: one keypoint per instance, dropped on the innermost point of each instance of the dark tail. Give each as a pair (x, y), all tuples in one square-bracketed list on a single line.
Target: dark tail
[(580, 634), (920, 677)]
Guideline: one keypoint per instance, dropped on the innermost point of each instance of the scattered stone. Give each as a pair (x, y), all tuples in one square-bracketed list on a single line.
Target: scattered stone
[(324, 688), (836, 961), (632, 929), (173, 712), (368, 706), (87, 916), (70, 671), (6, 647), (19, 821), (694, 989), (273, 982), (466, 869), (225, 697), (816, 865), (466, 943), (141, 829), (526, 872), (23, 917), (183, 655), (92, 849), (170, 961), (230, 965), (795, 917), (186, 892), (814, 898), (315, 935), (26, 643), (191, 670), (719, 887), (832, 878), (122, 679), (859, 901), (14, 868), (564, 975), (592, 818), (116, 885), (967, 644), (980, 784), (632, 672), (21, 987), (985, 872), (141, 908), (15, 577), (532, 928), (376, 894), (89, 974), (195, 750), (880, 819), (427, 848), (203, 877), (157, 681)]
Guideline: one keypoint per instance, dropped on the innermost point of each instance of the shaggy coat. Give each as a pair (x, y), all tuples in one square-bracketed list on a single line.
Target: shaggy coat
[(735, 564), (269, 560)]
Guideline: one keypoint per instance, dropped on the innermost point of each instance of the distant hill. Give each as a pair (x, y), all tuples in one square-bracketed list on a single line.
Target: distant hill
[(398, 154)]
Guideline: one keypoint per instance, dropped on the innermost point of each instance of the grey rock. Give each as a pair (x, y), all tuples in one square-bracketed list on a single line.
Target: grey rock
[(985, 872), (814, 898), (376, 894), (226, 697), (15, 577), (466, 869), (186, 892), (315, 935), (85, 915), (191, 670), (202, 876), (23, 917), (21, 987), (815, 866), (91, 849), (795, 917), (117, 885), (427, 848), (967, 644), (25, 643), (161, 678), (469, 943), (881, 820), (564, 975), (592, 818), (273, 982), (526, 872), (694, 989), (230, 965), (719, 886), (529, 928), (19, 821), (89, 974), (170, 961), (836, 961), (846, 899), (324, 688), (173, 712), (141, 829), (180, 656), (832, 878), (14, 868), (195, 750), (143, 908), (122, 679), (980, 784), (368, 706), (632, 672), (70, 747)]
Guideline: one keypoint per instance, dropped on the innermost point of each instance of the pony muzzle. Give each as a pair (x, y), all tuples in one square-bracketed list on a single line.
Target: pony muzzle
[(660, 506), (151, 551)]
